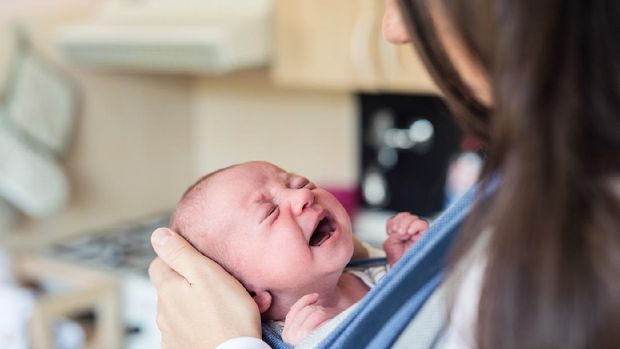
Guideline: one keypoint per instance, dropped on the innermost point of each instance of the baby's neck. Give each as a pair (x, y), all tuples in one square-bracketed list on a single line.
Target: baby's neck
[(348, 290)]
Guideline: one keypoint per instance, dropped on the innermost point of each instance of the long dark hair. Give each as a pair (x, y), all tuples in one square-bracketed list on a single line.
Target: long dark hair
[(552, 277)]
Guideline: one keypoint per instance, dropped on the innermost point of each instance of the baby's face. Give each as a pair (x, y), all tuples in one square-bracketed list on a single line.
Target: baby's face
[(281, 231)]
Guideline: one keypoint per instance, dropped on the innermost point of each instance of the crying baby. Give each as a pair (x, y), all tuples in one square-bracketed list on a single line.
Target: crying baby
[(286, 240)]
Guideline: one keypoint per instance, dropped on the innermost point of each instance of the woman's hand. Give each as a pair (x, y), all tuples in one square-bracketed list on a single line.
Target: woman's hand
[(403, 231), (200, 305)]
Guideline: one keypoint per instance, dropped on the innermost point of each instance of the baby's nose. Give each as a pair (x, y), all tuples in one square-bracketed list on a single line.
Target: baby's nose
[(301, 199)]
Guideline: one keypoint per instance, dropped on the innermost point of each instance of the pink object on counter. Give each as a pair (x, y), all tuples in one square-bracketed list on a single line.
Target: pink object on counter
[(348, 197)]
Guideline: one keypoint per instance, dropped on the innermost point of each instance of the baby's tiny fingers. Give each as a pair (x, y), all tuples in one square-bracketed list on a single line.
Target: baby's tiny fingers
[(391, 224), (398, 217), (301, 303), (315, 320), (399, 223), (405, 222), (419, 226), (296, 332)]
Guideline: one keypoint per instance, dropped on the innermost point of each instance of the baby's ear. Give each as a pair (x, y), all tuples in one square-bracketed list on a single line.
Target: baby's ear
[(262, 299)]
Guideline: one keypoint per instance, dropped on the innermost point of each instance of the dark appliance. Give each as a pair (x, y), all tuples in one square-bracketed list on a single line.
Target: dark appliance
[(407, 142)]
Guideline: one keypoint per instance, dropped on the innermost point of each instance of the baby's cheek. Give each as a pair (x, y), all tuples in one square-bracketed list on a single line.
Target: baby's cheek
[(291, 265), (350, 246)]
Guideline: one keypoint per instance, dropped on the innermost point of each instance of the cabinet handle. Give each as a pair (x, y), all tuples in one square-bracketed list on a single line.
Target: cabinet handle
[(389, 61), (361, 55)]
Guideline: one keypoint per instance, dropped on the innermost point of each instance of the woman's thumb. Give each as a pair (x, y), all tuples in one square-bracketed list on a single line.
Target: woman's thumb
[(178, 254)]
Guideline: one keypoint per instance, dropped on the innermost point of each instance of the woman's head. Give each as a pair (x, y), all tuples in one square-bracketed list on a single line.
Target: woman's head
[(393, 27), (551, 120), (456, 69), (518, 54)]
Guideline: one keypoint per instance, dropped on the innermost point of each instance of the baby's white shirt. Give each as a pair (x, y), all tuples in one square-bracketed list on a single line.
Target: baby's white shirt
[(368, 275)]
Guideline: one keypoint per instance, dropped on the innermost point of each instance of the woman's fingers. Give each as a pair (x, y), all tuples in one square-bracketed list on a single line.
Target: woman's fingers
[(160, 272), (200, 305), (179, 255)]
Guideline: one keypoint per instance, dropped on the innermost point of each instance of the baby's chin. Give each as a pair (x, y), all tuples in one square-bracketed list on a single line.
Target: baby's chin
[(342, 258)]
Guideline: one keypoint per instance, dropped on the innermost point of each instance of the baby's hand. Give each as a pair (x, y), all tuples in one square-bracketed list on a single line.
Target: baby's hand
[(403, 230), (303, 318)]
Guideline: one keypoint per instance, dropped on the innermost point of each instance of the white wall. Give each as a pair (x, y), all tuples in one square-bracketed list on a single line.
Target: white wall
[(244, 117)]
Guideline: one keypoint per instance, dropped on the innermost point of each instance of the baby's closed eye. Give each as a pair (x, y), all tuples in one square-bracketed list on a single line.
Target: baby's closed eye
[(273, 210), (298, 182), (270, 212)]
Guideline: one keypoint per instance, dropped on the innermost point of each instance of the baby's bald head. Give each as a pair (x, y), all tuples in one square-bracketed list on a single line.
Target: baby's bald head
[(275, 231), (192, 220)]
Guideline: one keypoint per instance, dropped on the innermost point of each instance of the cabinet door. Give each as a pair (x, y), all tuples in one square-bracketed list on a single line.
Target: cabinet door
[(402, 69), (312, 43), (338, 45)]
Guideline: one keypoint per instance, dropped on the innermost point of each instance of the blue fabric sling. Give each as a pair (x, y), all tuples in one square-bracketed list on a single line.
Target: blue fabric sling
[(389, 307)]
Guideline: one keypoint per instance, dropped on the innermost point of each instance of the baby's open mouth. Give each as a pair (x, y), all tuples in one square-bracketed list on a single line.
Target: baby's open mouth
[(323, 232)]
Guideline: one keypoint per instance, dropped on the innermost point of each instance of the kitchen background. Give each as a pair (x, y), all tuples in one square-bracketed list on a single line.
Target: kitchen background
[(109, 109)]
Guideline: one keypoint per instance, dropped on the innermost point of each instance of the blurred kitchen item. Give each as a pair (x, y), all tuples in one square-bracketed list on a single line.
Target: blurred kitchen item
[(69, 335), (17, 305), (125, 252), (369, 226), (375, 187), (6, 276), (191, 36), (36, 119), (65, 291), (8, 217), (31, 181), (463, 173), (41, 101), (406, 143), (125, 248), (348, 197)]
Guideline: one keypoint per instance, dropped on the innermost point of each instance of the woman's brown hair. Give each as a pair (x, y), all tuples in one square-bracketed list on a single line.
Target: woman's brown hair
[(552, 277)]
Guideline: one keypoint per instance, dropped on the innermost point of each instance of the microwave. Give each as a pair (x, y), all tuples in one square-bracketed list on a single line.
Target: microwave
[(406, 144)]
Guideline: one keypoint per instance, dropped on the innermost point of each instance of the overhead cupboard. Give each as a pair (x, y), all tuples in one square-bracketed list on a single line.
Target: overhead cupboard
[(338, 45)]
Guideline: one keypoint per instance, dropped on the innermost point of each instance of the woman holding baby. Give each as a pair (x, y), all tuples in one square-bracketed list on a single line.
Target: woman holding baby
[(539, 83)]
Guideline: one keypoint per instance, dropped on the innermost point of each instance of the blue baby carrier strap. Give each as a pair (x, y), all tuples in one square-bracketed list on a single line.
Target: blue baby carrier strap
[(389, 307), (271, 337)]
